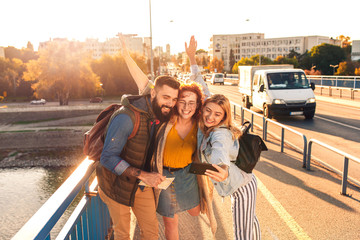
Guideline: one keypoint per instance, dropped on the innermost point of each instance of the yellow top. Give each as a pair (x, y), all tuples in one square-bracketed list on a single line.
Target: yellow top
[(178, 151)]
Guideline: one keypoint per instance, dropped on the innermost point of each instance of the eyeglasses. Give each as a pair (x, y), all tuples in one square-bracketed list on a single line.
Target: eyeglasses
[(184, 104)]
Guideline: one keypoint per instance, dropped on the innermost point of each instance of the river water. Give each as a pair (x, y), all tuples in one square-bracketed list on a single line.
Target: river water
[(23, 192)]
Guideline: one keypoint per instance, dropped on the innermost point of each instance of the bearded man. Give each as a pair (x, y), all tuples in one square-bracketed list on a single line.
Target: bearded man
[(124, 162)]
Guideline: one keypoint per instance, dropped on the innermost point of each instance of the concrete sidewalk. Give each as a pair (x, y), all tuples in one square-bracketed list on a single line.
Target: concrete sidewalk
[(292, 203)]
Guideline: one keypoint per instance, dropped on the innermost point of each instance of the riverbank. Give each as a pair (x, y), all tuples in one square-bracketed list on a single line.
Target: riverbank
[(44, 137), (47, 158)]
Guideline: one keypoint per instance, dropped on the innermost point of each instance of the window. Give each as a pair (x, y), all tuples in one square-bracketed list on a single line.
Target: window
[(279, 49), (256, 79)]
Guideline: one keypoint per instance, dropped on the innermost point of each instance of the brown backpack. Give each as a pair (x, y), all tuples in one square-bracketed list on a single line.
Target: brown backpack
[(94, 138)]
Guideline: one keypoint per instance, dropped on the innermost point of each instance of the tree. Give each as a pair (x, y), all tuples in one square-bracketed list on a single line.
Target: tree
[(284, 60), (25, 54), (305, 61), (347, 68), (62, 71), (217, 64), (232, 60), (345, 41), (325, 55), (264, 60), (11, 72), (293, 54), (357, 71), (113, 73), (30, 46)]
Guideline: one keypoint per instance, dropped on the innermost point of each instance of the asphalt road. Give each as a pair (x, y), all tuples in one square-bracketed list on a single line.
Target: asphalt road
[(335, 123)]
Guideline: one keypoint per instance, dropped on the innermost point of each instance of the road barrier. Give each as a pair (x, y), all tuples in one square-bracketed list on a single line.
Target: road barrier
[(346, 156), (306, 148)]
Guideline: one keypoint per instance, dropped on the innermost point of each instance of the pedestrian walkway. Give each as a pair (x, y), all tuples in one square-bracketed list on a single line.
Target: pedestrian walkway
[(292, 203)]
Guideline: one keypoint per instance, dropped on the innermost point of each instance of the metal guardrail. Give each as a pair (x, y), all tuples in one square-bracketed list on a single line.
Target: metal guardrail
[(335, 81), (283, 127), (341, 89), (346, 163), (89, 220), (306, 146)]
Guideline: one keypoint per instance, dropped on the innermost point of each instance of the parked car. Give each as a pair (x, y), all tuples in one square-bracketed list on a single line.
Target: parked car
[(96, 100), (217, 78), (41, 101)]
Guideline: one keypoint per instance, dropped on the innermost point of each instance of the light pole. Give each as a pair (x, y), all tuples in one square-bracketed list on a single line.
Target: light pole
[(334, 66), (151, 51)]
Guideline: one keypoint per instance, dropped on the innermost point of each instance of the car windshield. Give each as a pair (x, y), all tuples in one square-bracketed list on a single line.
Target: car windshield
[(219, 75), (287, 80)]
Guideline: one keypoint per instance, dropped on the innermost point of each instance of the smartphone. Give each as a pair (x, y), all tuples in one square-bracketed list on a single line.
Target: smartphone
[(200, 168)]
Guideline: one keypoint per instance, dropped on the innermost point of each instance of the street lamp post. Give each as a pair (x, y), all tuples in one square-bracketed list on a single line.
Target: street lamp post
[(334, 66), (151, 51)]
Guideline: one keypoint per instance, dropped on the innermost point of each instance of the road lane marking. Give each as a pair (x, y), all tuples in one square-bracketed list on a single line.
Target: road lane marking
[(339, 123), (284, 215)]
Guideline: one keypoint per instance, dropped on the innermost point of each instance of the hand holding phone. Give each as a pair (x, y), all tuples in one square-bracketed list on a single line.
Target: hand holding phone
[(200, 168)]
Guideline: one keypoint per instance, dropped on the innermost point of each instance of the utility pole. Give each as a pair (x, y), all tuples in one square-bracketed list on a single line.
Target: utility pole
[(151, 51)]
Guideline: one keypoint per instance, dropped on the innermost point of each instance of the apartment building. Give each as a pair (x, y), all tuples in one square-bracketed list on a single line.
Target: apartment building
[(355, 50), (249, 44), (112, 46), (2, 52)]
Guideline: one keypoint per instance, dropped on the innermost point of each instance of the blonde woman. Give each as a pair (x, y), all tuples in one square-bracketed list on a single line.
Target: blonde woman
[(218, 145)]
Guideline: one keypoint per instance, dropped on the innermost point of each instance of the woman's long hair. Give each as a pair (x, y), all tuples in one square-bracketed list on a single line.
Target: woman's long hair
[(224, 103), (194, 88)]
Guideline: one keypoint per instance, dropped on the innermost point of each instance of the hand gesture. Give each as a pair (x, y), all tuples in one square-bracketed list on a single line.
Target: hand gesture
[(220, 175), (191, 50)]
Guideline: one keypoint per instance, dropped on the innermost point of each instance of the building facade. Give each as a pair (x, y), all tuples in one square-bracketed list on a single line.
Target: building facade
[(112, 46), (2, 52), (250, 44), (355, 50)]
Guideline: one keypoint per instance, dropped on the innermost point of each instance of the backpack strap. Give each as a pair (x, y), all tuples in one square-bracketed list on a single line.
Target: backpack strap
[(136, 124), (133, 114)]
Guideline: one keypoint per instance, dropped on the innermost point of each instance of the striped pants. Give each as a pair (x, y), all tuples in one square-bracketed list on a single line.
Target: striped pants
[(246, 224)]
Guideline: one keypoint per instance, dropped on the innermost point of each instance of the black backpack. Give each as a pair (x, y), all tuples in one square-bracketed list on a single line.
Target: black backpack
[(251, 146)]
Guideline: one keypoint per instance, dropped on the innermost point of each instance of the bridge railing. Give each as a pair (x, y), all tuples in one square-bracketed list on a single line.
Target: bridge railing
[(90, 219), (335, 81), (306, 146), (346, 156)]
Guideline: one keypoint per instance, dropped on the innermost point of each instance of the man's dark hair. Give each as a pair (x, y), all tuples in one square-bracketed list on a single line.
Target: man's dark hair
[(166, 80)]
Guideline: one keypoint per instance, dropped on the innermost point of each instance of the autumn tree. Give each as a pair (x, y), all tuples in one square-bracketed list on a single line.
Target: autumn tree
[(11, 82), (216, 64), (24, 54), (324, 55), (62, 71), (357, 71), (284, 60), (347, 68), (114, 74)]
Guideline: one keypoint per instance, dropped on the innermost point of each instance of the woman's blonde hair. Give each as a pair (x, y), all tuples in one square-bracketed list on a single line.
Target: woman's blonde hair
[(224, 103)]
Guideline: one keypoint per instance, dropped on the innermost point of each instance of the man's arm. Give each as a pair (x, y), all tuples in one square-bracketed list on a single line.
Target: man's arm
[(118, 132)]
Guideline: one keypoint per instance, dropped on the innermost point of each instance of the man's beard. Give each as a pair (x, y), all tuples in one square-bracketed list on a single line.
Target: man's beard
[(158, 113)]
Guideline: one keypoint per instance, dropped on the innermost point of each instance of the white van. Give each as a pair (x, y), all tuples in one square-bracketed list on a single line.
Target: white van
[(217, 78), (277, 91)]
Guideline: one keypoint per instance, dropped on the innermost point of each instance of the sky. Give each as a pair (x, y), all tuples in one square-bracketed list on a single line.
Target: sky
[(173, 21)]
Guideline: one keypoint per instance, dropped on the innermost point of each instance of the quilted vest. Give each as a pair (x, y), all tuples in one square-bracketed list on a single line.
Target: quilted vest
[(121, 188)]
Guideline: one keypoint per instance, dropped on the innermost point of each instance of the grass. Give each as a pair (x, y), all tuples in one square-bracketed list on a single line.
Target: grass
[(42, 130), (18, 131), (35, 121)]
